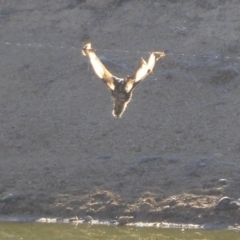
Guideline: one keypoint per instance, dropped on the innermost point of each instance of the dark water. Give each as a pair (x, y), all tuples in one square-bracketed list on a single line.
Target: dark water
[(37, 231)]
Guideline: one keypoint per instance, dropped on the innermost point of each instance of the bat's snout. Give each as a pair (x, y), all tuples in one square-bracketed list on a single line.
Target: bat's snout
[(118, 108), (116, 114)]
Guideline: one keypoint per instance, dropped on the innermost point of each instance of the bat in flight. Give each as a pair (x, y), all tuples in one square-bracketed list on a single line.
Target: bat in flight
[(121, 88)]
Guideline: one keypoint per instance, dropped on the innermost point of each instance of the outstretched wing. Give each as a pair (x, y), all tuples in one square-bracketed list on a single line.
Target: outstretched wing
[(98, 67), (143, 70)]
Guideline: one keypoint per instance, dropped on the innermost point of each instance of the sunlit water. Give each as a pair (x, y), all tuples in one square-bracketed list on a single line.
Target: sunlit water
[(40, 231)]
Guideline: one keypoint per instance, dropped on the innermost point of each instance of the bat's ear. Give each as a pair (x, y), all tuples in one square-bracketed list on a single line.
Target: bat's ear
[(86, 48)]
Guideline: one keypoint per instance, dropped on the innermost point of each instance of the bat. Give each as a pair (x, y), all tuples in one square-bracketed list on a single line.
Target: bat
[(121, 88)]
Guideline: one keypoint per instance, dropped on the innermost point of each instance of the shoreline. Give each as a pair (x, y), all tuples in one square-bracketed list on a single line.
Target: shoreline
[(77, 221)]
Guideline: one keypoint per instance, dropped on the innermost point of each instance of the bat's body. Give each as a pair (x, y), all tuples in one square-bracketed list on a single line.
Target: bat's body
[(121, 88)]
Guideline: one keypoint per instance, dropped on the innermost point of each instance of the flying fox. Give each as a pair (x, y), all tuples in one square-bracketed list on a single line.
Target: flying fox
[(121, 88)]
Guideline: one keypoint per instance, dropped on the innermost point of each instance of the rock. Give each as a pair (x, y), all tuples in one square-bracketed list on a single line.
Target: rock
[(73, 219), (69, 209), (194, 166), (223, 75), (11, 198), (105, 157), (7, 11), (222, 181), (113, 221), (132, 168), (218, 155), (172, 202), (172, 159), (90, 211), (234, 205), (88, 219), (202, 162), (147, 159), (166, 208), (227, 203), (123, 220)]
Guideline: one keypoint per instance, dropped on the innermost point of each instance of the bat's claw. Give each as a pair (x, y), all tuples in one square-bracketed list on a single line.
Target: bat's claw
[(160, 55), (87, 47)]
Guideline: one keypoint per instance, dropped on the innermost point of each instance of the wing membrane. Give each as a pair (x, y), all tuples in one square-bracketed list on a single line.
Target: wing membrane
[(98, 67), (144, 69)]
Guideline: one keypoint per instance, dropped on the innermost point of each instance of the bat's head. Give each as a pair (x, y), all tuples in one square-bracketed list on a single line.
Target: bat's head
[(120, 101), (119, 105), (121, 96)]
